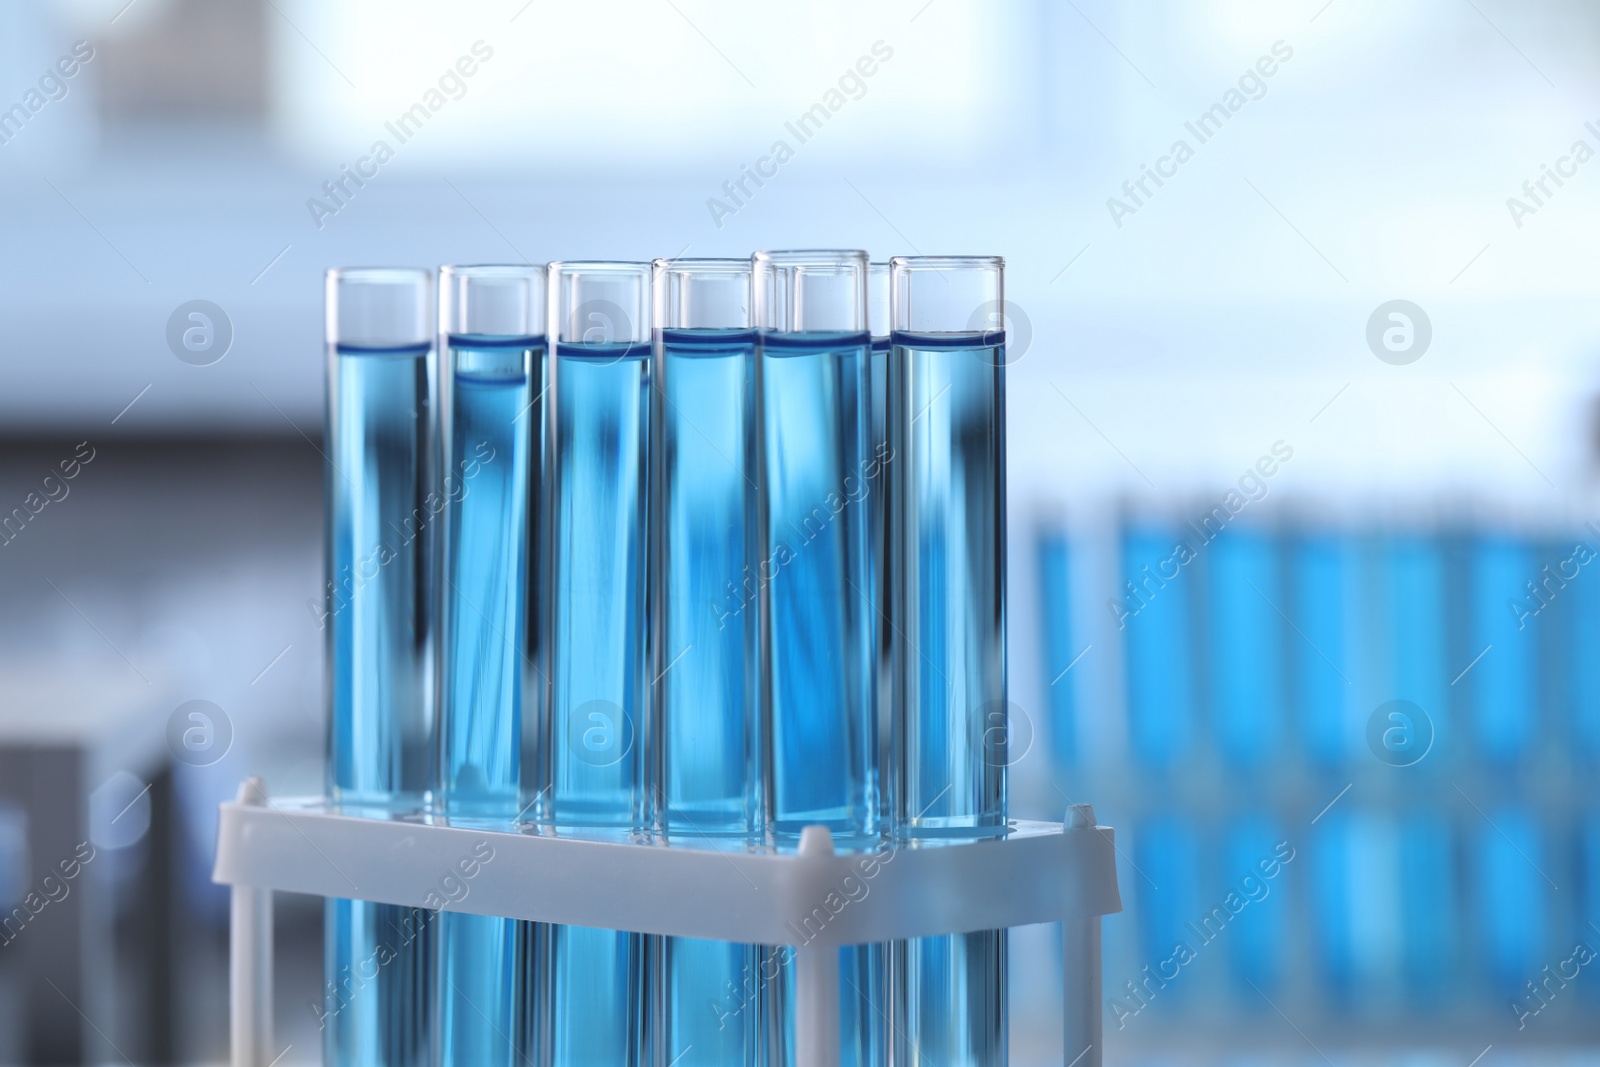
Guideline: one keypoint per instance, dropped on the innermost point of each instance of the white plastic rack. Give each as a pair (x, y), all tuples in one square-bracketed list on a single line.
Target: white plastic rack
[(1035, 873)]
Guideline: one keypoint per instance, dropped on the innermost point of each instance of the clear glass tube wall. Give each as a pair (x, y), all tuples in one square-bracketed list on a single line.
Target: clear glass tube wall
[(946, 413), (877, 499), (493, 351), (381, 527), (594, 731), (708, 993)]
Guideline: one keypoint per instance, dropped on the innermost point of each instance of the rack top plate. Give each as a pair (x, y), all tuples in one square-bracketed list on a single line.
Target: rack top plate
[(815, 896)]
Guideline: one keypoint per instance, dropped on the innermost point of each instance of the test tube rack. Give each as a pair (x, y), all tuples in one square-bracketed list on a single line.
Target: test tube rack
[(1037, 872)]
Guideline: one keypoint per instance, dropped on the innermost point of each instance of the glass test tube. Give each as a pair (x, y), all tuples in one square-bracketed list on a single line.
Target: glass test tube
[(593, 752), (946, 414), (703, 574), (813, 577), (492, 340), (817, 472), (378, 631)]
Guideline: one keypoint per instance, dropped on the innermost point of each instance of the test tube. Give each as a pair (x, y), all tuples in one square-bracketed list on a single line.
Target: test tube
[(946, 413), (377, 625), (492, 340), (703, 574), (814, 578), (592, 755), (817, 470)]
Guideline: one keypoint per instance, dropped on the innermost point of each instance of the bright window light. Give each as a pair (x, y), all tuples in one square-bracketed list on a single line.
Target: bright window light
[(564, 85)]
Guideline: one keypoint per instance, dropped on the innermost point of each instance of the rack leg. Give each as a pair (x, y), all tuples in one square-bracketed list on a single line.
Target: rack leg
[(1080, 952), (250, 964), (1080, 957), (816, 973), (816, 999)]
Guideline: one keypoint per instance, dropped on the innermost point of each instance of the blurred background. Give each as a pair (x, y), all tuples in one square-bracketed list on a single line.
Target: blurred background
[(1305, 524)]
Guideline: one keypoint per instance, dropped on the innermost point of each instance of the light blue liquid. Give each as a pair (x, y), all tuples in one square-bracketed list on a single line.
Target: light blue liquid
[(821, 481), (1157, 638), (490, 448), (1055, 582), (1255, 944), (1167, 850), (485, 621), (709, 996), (380, 532), (1577, 644), (479, 968), (380, 527), (946, 412), (1413, 578), (1335, 860), (706, 583), (377, 1000), (1505, 684), (816, 584), (1246, 685), (1430, 908), (600, 677), (1513, 897), (1323, 582), (947, 415)]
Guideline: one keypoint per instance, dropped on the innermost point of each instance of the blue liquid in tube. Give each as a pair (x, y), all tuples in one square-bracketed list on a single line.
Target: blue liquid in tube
[(1589, 861), (1357, 899), (484, 629), (817, 473), (1159, 644), (1333, 865), (1513, 897), (380, 727), (1415, 582), (947, 434), (822, 476), (377, 998), (1430, 907), (1582, 667), (707, 584), (1505, 685), (1054, 556), (1246, 686), (706, 595), (1254, 944), (1323, 579), (1166, 850), (599, 683)]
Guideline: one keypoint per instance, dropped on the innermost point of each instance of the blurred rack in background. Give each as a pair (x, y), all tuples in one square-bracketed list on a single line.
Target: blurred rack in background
[(1354, 758)]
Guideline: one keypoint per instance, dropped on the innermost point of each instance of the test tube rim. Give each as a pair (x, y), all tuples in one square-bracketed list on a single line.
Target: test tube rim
[(599, 266), (706, 264), (897, 263), (814, 258), (558, 271), (491, 270), (379, 274), (536, 275), (335, 278)]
